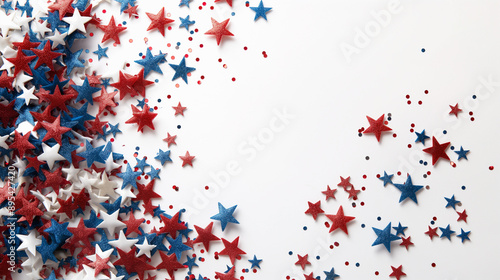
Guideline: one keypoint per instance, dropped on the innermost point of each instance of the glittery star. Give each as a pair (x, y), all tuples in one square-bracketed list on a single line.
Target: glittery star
[(400, 229), (345, 182), (464, 235), (421, 137), (179, 110), (432, 232), (205, 235), (132, 263), (455, 110), (46, 56), (163, 156), (260, 11), (309, 277), (7, 114), (146, 192), (219, 29), (377, 127), (386, 178), (72, 60), (21, 143), (170, 139), (169, 263), (451, 202), (385, 237), (446, 232), (177, 247), (330, 275), (302, 261), (131, 11), (339, 220), (353, 193), (159, 21), (129, 177), (462, 216), (111, 31), (182, 3), (225, 216), (29, 211), (406, 242), (6, 81), (181, 70), (125, 85), (172, 225), (397, 272), (329, 193), (231, 249), (63, 6), (125, 4), (106, 101), (101, 52), (314, 209), (150, 62), (21, 62), (408, 190), (462, 153), (187, 159), (185, 22), (82, 233), (92, 154), (437, 150), (142, 118)]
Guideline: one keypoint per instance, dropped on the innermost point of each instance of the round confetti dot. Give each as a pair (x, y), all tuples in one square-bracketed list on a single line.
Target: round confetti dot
[(423, 50)]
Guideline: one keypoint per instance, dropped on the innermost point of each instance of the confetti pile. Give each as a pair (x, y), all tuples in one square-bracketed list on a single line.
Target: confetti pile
[(71, 205)]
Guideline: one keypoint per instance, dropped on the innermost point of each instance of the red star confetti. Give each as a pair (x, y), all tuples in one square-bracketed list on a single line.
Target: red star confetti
[(111, 31), (219, 30), (437, 150), (179, 110), (339, 221), (187, 159), (377, 127), (142, 118), (159, 21), (302, 261), (397, 272), (314, 209), (455, 110), (231, 249)]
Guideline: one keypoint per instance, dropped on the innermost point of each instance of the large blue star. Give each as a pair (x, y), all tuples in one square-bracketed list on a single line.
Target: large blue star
[(451, 202), (181, 70), (446, 232), (330, 275), (92, 154), (85, 91), (421, 137), (46, 250), (129, 177), (462, 153), (150, 62), (408, 190), (185, 22), (385, 237), (386, 178), (260, 11), (225, 216)]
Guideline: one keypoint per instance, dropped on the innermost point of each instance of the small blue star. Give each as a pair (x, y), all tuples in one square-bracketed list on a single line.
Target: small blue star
[(150, 63), (386, 178), (421, 137), (260, 11), (464, 235), (7, 6), (163, 156), (225, 216), (408, 190), (400, 229), (451, 202), (85, 91), (185, 3), (92, 154), (67, 148), (462, 153), (185, 22), (105, 82), (255, 262), (181, 70), (385, 237), (190, 263), (129, 177), (93, 221), (330, 275), (446, 232), (113, 129), (141, 164), (141, 103), (101, 52), (177, 247), (153, 173)]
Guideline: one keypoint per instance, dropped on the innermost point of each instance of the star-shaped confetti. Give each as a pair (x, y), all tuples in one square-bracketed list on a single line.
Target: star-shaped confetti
[(377, 127), (225, 216), (260, 11), (385, 237), (339, 221), (219, 29)]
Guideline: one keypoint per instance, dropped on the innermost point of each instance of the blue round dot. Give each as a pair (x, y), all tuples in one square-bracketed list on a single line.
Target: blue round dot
[(191, 32), (178, 43), (140, 54), (19, 270), (463, 187), (474, 97), (290, 253), (432, 222), (389, 118), (179, 126), (378, 218), (304, 228), (317, 257), (159, 100), (233, 14), (423, 50), (156, 81), (444, 131), (421, 161), (124, 23), (86, 51), (357, 264), (425, 162), (363, 225), (452, 148), (137, 148)]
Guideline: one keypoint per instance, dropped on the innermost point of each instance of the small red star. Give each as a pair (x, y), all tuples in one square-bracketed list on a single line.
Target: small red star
[(397, 272), (6, 81), (105, 100), (231, 249), (339, 220), (406, 242), (170, 139), (99, 264), (56, 100), (21, 143), (66, 206), (125, 85), (345, 182), (187, 159), (45, 56), (314, 209), (54, 180), (179, 110), (432, 232), (309, 277), (462, 216), (229, 2), (29, 211), (21, 62), (96, 126), (159, 21), (302, 261), (33, 162), (131, 10), (142, 118), (55, 130), (437, 150), (377, 127), (81, 199), (455, 110), (226, 276), (171, 225), (219, 30), (353, 192), (111, 31), (133, 224), (329, 193), (149, 208), (205, 235), (82, 233)]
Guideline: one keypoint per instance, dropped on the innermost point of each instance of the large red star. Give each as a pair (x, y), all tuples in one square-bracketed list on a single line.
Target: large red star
[(302, 261), (339, 220), (55, 130), (229, 2), (135, 264), (171, 225), (219, 30), (329, 193), (377, 127), (21, 62), (397, 272), (63, 6), (82, 233), (45, 56), (231, 249), (56, 100), (21, 143), (66, 206), (462, 216), (432, 232), (187, 159), (6, 80), (455, 110), (159, 21), (99, 264), (26, 44), (142, 118), (169, 263), (53, 179), (437, 150), (7, 114), (406, 242), (314, 209), (205, 235), (345, 183), (111, 31)]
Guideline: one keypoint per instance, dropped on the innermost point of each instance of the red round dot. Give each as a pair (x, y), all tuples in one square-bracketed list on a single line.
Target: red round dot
[(376, 273), (346, 263), (206, 187), (412, 125), (394, 135), (407, 96), (409, 145), (472, 119), (433, 265), (419, 102), (471, 113), (233, 79), (491, 167), (426, 91), (408, 102)]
